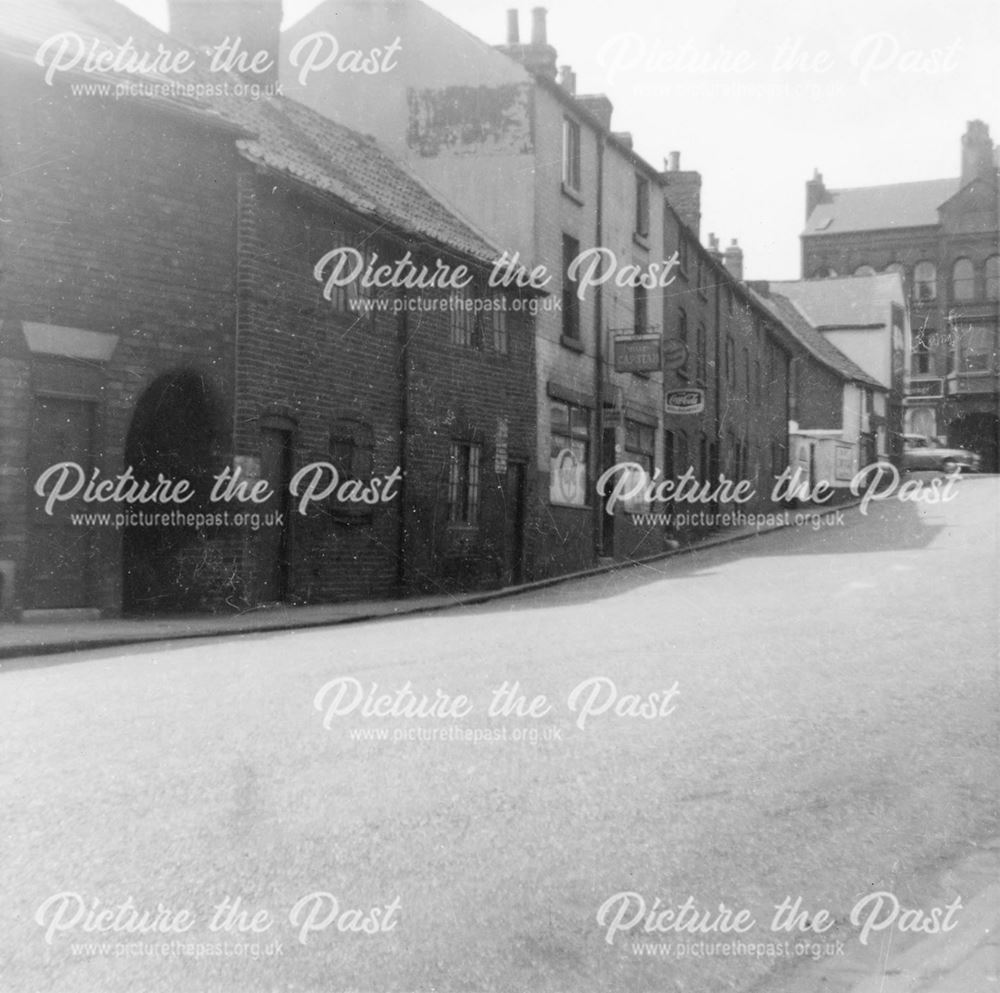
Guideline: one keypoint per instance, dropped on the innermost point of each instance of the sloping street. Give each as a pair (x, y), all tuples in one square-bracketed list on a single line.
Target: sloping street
[(816, 720)]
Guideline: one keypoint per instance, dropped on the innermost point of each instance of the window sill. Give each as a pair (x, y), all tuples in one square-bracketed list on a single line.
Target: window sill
[(575, 195), (573, 344)]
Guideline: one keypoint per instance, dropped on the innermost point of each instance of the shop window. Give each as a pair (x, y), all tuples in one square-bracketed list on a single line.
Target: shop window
[(963, 281), (463, 483), (569, 453), (925, 281), (570, 301), (993, 277), (571, 154), (978, 350)]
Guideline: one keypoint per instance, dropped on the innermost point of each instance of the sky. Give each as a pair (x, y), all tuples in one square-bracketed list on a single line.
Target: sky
[(755, 96)]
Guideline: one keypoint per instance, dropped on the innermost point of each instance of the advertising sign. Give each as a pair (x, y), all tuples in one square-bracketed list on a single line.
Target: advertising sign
[(684, 401), (637, 353)]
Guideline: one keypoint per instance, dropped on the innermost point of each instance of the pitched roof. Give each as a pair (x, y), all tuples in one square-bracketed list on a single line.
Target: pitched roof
[(278, 133), (876, 208), (813, 342), (845, 302)]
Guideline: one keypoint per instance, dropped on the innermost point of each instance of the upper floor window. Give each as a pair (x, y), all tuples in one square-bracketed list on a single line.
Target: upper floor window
[(642, 206), (864, 270), (571, 154), (498, 322), (731, 361), (824, 272), (352, 444), (925, 281), (465, 325), (920, 353), (701, 354), (640, 305), (993, 277), (896, 267), (682, 252), (746, 370), (963, 280), (570, 301), (682, 335)]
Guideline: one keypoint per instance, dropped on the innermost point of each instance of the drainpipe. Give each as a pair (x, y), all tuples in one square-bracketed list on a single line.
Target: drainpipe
[(402, 338), (599, 362)]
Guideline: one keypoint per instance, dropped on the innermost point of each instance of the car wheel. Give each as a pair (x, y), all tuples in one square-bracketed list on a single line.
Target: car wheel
[(949, 466)]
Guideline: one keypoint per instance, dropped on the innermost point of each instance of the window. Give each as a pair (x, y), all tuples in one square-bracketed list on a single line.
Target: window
[(729, 301), (352, 444), (682, 336), (571, 154), (642, 206), (669, 454), (963, 280), (351, 450), (746, 371), (570, 301), (640, 447), (683, 459), (498, 322), (702, 355), (978, 350), (640, 308), (701, 275), (920, 353), (465, 326), (731, 361), (925, 281), (682, 252), (463, 483), (824, 272), (864, 270), (896, 267), (993, 277), (569, 453), (757, 380)]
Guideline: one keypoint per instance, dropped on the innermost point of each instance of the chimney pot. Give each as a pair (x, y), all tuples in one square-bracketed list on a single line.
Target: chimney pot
[(675, 162), (513, 28), (538, 34), (567, 79)]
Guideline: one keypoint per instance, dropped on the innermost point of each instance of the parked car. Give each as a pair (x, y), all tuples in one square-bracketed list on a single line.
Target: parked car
[(922, 453)]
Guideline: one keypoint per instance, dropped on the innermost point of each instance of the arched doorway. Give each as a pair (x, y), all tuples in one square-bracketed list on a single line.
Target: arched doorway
[(174, 432), (979, 432)]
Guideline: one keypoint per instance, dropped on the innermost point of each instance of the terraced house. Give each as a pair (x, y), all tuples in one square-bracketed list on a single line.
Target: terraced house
[(502, 134), (171, 313)]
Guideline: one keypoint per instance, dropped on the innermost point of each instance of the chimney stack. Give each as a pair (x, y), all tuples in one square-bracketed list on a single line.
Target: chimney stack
[(567, 79), (538, 26), (683, 191), (977, 152), (539, 56), (513, 28), (207, 23), (815, 193), (625, 137), (597, 105), (733, 260), (713, 248)]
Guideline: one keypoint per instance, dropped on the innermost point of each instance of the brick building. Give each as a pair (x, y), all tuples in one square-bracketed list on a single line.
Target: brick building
[(163, 312), (536, 164), (943, 237)]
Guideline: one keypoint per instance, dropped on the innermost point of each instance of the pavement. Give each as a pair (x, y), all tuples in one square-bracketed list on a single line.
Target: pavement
[(966, 960), (28, 639)]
